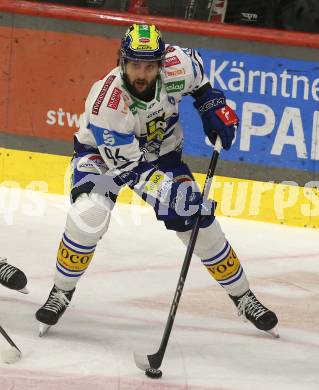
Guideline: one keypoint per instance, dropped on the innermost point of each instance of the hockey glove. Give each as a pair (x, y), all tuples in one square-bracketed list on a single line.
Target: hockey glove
[(217, 117)]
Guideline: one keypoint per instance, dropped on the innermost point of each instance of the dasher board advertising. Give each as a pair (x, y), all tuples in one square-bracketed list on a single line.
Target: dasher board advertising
[(277, 100)]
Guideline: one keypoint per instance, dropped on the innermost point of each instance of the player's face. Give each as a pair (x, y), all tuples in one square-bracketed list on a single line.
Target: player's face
[(142, 74)]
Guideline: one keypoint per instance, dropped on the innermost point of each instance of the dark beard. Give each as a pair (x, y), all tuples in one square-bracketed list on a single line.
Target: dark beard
[(146, 96)]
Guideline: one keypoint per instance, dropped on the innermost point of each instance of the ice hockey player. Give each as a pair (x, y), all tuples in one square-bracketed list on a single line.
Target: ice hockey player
[(130, 134), (12, 277)]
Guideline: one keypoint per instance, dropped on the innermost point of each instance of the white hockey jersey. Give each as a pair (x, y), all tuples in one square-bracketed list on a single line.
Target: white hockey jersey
[(127, 130)]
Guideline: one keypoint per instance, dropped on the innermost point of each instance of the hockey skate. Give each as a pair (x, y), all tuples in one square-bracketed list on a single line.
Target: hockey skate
[(255, 312), (50, 313), (12, 277)]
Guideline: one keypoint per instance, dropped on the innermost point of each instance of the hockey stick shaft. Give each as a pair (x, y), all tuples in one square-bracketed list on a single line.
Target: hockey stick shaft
[(156, 359), (9, 340)]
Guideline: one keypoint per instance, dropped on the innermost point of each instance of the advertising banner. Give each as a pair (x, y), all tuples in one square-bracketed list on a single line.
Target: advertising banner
[(277, 100), (46, 76)]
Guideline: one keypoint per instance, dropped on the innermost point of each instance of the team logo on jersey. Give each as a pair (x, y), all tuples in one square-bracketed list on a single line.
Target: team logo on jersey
[(171, 61), (156, 128), (115, 99), (175, 86), (101, 96)]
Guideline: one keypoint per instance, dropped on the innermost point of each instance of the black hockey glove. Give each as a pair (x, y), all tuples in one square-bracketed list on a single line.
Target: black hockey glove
[(217, 117)]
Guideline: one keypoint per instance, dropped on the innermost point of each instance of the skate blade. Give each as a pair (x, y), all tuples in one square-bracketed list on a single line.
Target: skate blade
[(24, 291), (273, 332), (43, 329)]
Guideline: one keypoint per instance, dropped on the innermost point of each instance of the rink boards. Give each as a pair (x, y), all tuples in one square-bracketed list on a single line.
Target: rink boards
[(240, 198)]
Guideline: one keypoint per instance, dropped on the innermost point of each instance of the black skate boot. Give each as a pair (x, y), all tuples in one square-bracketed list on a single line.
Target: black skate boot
[(50, 313), (12, 277), (254, 311)]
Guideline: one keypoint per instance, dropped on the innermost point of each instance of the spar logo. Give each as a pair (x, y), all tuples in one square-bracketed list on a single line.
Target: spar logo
[(175, 86)]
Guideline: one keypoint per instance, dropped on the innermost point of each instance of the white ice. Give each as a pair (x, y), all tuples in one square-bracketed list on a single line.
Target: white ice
[(121, 305)]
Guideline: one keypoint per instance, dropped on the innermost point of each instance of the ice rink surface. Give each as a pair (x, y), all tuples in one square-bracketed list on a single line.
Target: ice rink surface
[(122, 302)]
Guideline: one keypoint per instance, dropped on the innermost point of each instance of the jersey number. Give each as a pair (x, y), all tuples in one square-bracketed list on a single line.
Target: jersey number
[(115, 155)]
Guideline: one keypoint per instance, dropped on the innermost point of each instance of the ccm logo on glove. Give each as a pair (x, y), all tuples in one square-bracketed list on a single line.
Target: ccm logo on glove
[(212, 104)]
